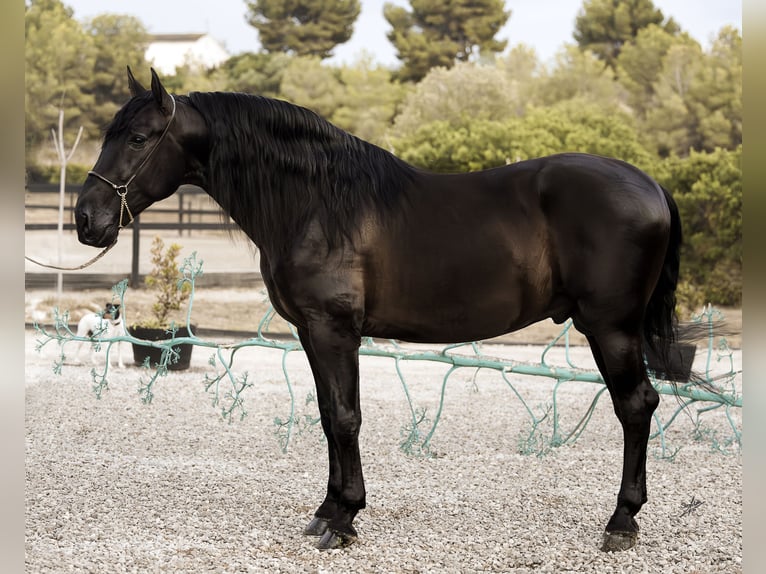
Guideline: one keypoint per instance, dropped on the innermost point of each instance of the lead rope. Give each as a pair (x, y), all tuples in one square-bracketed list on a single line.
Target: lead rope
[(122, 191), (123, 207), (83, 266)]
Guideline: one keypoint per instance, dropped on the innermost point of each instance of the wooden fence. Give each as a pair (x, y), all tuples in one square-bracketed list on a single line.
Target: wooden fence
[(41, 206), (186, 211)]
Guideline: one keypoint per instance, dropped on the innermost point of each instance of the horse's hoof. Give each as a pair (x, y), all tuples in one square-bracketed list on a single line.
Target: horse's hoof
[(317, 527), (331, 540), (619, 541)]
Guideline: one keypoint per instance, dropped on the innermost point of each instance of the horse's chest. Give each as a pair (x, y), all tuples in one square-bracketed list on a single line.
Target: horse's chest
[(314, 284), (280, 298), (281, 301)]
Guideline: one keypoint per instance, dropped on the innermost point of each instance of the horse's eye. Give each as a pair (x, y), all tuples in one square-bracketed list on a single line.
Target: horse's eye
[(137, 140)]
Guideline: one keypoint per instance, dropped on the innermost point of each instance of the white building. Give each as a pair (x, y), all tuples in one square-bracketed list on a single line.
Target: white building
[(168, 51)]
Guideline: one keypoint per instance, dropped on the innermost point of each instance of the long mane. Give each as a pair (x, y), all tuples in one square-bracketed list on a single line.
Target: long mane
[(274, 165)]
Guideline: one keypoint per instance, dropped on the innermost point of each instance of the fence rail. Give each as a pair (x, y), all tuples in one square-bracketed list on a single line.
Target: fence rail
[(147, 225), (187, 210), (718, 388), (187, 215)]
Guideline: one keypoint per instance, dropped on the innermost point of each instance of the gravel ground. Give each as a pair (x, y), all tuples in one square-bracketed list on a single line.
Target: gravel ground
[(113, 485)]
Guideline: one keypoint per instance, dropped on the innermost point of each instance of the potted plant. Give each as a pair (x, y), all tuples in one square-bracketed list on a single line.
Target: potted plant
[(163, 280)]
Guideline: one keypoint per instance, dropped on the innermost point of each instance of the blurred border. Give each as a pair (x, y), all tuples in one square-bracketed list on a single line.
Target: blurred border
[(754, 294), (12, 286)]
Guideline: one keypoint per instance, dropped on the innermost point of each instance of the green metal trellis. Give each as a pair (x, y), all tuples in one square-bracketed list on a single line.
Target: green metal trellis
[(227, 388)]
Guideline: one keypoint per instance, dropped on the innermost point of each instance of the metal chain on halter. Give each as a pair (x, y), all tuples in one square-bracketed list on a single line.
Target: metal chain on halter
[(124, 207), (122, 192)]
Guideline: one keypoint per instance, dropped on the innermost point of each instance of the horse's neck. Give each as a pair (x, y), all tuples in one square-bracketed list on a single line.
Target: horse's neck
[(257, 210), (282, 175)]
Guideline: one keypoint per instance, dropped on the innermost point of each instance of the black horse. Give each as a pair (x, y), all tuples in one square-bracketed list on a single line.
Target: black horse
[(355, 242)]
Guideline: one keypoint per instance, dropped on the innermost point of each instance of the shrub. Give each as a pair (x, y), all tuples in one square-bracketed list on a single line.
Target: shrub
[(163, 280), (708, 190)]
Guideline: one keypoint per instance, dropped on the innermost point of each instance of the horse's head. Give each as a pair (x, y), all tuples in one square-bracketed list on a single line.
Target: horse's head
[(142, 161)]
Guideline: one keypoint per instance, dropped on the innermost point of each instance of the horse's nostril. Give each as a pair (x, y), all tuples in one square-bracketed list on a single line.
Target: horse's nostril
[(82, 220)]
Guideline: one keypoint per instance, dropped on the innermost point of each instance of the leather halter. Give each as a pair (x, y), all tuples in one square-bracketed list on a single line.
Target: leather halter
[(122, 190)]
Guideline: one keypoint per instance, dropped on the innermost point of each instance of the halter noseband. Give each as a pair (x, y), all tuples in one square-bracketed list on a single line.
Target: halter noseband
[(122, 190)]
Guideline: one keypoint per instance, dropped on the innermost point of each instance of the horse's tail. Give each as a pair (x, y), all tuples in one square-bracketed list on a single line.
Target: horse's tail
[(660, 319)]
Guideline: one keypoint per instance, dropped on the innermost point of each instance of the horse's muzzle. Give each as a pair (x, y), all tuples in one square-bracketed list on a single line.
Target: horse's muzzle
[(90, 231)]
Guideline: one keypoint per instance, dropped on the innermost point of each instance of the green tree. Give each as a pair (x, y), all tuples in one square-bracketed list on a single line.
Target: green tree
[(189, 77), (441, 147), (118, 41), (719, 92), (523, 70), (437, 33), (59, 57), (255, 73), (369, 100), (669, 121), (697, 97), (306, 82), (480, 144), (579, 74), (303, 27), (640, 63), (582, 125), (604, 26), (708, 190), (460, 95)]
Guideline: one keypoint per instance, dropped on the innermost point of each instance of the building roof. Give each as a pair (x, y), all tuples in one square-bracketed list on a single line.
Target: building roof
[(175, 37), (169, 51)]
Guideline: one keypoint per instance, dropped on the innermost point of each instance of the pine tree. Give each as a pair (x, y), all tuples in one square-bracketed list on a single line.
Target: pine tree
[(303, 27), (603, 26), (58, 63), (440, 33), (119, 41)]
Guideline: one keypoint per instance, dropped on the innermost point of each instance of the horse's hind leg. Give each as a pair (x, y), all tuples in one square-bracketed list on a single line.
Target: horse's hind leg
[(334, 357), (620, 359)]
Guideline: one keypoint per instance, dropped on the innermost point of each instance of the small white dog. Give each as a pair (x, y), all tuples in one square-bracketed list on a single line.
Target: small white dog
[(102, 326)]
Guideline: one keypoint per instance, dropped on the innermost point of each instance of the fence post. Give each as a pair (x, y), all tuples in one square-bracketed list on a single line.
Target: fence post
[(180, 193), (134, 277)]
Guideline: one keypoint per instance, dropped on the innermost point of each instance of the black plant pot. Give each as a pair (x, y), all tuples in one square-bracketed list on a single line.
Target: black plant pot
[(154, 354), (681, 358)]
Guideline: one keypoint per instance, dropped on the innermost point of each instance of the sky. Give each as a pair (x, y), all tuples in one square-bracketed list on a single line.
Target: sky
[(546, 25)]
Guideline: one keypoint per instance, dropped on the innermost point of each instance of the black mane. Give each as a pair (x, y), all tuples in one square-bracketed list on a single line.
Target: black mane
[(272, 164)]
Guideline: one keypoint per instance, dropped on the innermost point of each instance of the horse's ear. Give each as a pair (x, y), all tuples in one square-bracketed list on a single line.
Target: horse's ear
[(135, 87), (161, 96)]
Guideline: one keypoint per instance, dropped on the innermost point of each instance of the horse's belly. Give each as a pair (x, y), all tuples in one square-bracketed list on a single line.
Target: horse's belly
[(456, 308), (435, 331)]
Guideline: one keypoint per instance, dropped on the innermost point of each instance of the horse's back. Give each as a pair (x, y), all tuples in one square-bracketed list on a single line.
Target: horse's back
[(465, 257), (472, 256), (612, 187)]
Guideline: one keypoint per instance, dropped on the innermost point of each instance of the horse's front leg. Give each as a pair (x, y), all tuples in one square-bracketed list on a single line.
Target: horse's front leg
[(333, 353), (326, 511)]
